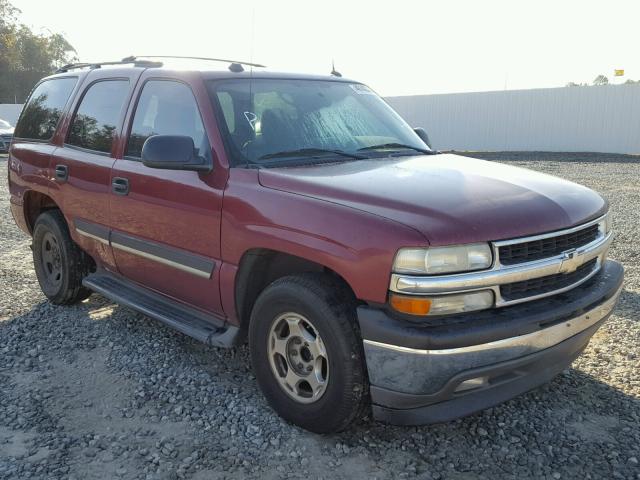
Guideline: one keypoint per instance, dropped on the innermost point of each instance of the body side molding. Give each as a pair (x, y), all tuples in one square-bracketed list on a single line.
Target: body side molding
[(180, 259), (92, 230)]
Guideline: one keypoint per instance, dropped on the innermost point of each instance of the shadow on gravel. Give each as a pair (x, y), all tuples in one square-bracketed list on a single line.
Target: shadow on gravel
[(629, 306), (582, 157)]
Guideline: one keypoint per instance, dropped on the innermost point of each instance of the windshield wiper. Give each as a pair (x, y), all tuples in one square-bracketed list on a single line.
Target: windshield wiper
[(396, 146), (306, 152)]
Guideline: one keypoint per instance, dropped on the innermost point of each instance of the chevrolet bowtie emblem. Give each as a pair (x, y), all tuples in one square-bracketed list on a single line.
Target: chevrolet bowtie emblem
[(571, 260)]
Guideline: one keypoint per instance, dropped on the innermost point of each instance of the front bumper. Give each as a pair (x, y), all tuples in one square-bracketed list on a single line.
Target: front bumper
[(441, 370)]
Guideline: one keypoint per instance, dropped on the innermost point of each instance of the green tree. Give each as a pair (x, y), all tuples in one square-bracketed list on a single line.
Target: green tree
[(26, 56), (601, 80)]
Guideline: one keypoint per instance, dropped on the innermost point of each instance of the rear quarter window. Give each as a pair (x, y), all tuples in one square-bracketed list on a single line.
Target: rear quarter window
[(40, 116)]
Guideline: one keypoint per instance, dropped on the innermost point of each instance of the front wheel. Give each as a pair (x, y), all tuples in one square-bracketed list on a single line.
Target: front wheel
[(307, 353)]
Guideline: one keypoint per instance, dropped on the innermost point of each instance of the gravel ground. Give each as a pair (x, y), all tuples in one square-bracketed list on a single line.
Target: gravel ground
[(98, 391)]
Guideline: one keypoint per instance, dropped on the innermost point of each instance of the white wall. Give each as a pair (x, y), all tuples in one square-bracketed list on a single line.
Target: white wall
[(578, 119), (10, 112)]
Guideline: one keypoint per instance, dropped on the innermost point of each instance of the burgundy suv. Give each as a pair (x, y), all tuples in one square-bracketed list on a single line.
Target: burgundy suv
[(303, 215)]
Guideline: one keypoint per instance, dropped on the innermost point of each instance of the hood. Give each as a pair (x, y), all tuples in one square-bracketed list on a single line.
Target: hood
[(448, 198)]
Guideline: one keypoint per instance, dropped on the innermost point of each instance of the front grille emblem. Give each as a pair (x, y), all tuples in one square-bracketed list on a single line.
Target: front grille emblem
[(571, 260)]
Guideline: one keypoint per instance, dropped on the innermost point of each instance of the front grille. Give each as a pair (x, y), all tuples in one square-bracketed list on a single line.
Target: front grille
[(546, 247), (543, 285)]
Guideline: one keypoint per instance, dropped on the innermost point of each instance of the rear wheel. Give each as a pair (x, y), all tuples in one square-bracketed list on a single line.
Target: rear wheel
[(307, 353), (59, 263)]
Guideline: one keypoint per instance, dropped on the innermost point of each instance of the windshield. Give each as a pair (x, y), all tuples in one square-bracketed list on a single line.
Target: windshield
[(4, 124), (273, 122)]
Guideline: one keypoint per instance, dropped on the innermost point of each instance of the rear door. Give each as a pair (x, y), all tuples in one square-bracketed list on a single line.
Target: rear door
[(34, 140), (166, 223), (82, 166)]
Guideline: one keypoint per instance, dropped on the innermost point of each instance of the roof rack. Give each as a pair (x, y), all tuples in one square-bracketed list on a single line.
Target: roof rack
[(139, 61), (124, 61), (236, 65)]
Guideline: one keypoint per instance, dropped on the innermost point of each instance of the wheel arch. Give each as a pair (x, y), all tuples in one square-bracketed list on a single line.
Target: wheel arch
[(259, 267), (35, 203)]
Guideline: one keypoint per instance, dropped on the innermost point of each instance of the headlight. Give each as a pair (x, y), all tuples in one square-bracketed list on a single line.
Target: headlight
[(462, 258), (605, 224), (442, 304)]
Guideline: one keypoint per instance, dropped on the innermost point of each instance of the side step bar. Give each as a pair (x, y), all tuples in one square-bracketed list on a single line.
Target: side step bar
[(201, 326)]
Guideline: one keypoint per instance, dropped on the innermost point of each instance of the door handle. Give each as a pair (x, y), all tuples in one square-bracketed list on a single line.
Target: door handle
[(62, 173), (120, 186)]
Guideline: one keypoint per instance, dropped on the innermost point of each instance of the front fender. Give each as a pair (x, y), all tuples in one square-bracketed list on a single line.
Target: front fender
[(357, 245)]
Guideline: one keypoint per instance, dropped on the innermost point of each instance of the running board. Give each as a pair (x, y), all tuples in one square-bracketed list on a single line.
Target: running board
[(201, 326)]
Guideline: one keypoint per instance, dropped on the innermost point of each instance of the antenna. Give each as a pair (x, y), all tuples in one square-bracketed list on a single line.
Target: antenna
[(253, 31), (334, 72), (251, 98)]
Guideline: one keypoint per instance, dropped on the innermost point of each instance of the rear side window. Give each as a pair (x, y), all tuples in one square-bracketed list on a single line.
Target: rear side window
[(44, 108), (96, 120), (167, 108)]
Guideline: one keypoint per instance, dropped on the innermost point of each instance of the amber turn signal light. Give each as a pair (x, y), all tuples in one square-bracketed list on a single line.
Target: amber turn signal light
[(410, 305)]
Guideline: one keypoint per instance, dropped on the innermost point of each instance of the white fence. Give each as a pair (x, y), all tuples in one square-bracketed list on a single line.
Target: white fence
[(10, 112), (578, 119)]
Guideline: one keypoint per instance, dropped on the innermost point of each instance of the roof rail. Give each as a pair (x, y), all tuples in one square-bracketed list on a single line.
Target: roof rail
[(236, 65), (124, 61), (139, 61)]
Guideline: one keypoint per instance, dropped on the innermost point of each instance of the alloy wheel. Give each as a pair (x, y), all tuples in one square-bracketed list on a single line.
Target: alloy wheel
[(298, 357)]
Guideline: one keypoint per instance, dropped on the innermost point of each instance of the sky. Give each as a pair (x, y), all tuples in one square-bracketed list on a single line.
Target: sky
[(400, 47)]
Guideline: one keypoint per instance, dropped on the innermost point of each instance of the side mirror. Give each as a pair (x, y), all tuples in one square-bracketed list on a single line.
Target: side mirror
[(423, 136), (172, 152)]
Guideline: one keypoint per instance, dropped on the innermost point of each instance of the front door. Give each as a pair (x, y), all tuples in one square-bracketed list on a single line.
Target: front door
[(166, 223)]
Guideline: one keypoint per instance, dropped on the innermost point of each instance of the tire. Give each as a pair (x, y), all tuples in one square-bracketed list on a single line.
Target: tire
[(323, 307), (59, 263)]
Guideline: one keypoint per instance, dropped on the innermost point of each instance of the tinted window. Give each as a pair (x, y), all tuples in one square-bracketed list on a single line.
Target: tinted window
[(167, 108), (41, 114), (94, 125)]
